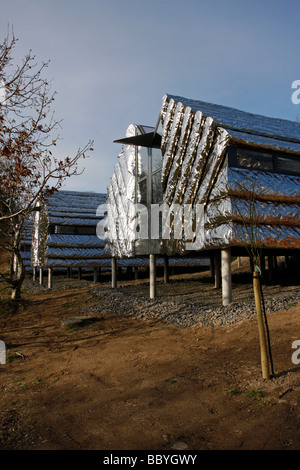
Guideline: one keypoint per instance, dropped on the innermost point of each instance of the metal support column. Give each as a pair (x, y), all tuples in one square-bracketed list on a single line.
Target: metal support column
[(41, 276), (226, 276), (113, 273), (152, 264), (50, 278), (217, 262), (166, 270), (270, 267)]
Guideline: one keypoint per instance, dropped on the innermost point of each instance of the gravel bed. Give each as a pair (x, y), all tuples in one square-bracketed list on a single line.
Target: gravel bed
[(183, 312), (187, 307)]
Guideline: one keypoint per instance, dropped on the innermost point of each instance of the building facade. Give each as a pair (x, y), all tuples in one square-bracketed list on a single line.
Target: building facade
[(207, 180)]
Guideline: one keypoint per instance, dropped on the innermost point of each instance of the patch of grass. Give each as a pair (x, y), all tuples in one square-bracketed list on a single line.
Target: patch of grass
[(69, 305), (12, 356), (19, 379), (292, 304), (253, 393), (230, 391), (170, 381), (72, 304), (72, 328)]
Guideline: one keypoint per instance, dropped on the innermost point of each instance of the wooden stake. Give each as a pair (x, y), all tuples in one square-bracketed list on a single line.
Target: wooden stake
[(261, 328)]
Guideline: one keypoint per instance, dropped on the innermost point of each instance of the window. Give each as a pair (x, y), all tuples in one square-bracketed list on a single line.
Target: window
[(288, 165), (156, 160), (74, 230), (156, 189), (142, 158), (264, 161), (149, 164), (148, 191), (88, 230), (52, 229), (257, 160), (65, 229), (143, 192)]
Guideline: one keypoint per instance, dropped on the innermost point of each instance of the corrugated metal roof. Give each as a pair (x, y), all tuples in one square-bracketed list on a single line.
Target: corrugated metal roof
[(74, 208), (266, 142), (249, 128), (76, 241)]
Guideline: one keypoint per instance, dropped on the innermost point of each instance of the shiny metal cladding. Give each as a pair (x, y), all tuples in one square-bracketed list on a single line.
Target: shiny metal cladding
[(190, 155), (170, 140), (68, 211), (176, 165), (120, 200), (203, 148), (213, 164), (167, 117), (195, 138)]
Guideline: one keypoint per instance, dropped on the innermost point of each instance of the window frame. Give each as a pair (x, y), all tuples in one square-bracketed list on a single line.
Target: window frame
[(147, 177), (75, 229), (233, 159)]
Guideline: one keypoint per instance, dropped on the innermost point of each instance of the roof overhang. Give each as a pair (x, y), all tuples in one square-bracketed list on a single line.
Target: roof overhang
[(151, 139)]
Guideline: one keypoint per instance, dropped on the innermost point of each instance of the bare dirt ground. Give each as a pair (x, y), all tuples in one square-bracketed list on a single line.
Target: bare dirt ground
[(126, 383)]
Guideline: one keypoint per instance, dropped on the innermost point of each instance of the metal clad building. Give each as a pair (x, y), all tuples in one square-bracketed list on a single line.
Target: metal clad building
[(202, 154), (64, 231), (209, 155)]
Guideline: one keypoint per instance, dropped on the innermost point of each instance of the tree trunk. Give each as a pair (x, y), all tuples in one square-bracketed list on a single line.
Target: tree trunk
[(18, 277), (16, 292)]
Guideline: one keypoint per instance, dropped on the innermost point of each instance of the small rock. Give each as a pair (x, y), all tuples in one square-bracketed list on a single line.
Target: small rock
[(179, 445)]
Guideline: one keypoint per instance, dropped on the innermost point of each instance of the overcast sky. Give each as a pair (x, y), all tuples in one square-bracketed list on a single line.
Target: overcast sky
[(113, 60)]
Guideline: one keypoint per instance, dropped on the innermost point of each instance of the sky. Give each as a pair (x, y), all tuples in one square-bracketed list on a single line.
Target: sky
[(111, 62)]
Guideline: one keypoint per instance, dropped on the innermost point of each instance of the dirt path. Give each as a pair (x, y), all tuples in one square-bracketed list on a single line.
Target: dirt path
[(125, 383)]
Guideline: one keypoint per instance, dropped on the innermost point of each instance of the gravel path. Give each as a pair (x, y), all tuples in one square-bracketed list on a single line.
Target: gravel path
[(181, 311), (185, 301)]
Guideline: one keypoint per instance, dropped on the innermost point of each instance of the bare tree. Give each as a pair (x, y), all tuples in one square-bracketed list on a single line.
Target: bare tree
[(28, 168)]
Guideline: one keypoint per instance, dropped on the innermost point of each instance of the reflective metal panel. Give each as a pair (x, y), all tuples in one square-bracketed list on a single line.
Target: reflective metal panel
[(194, 139)]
